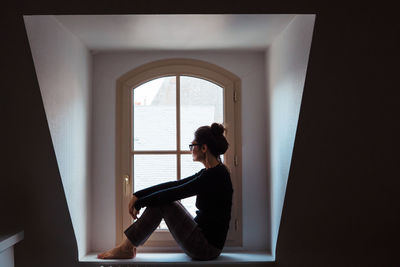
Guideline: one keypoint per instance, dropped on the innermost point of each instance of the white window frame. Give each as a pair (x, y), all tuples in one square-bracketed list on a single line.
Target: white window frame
[(162, 240)]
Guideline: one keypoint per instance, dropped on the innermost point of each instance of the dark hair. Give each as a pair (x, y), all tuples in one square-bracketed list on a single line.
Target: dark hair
[(213, 137)]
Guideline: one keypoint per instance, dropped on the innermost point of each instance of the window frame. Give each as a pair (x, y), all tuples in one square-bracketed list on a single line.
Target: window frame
[(176, 67)]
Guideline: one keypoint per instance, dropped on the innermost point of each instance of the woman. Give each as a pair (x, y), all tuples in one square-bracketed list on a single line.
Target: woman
[(203, 237)]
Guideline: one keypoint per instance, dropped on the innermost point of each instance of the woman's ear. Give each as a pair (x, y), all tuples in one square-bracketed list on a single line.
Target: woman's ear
[(204, 148)]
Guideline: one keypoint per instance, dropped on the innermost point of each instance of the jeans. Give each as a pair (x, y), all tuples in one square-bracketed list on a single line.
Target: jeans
[(182, 226)]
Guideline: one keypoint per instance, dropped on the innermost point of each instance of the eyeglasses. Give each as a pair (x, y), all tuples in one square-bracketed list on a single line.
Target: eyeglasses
[(192, 145)]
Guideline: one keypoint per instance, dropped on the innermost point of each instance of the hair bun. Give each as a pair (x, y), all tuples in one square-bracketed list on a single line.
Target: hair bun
[(217, 129)]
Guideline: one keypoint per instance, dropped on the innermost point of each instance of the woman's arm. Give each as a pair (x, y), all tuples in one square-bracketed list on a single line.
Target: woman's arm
[(147, 191), (186, 188)]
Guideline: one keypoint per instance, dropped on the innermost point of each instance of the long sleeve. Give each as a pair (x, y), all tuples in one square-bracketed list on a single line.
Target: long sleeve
[(147, 191), (170, 191)]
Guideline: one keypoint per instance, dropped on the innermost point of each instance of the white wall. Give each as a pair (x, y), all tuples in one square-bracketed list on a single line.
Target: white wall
[(7, 257), (249, 66), (63, 68), (272, 85), (286, 61)]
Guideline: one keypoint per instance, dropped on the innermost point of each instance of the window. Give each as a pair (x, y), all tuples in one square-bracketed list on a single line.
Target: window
[(173, 97)]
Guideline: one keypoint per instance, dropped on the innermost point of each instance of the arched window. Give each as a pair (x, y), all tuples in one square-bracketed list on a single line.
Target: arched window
[(159, 106)]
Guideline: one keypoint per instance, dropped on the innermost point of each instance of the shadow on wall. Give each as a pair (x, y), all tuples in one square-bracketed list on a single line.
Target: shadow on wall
[(31, 191)]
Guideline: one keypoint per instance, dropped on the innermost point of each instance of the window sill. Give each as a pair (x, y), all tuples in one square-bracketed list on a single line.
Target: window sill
[(180, 258), (9, 239)]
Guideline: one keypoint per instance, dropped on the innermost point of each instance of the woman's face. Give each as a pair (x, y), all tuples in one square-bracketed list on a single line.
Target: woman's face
[(197, 154)]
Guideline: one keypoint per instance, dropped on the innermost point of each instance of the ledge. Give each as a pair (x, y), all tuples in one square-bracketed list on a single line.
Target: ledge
[(181, 258), (10, 239)]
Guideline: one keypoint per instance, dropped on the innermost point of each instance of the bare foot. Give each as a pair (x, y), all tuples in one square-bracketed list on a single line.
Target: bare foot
[(118, 253)]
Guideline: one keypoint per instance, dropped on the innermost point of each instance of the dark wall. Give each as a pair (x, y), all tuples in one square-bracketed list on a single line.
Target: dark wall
[(342, 200), (30, 179)]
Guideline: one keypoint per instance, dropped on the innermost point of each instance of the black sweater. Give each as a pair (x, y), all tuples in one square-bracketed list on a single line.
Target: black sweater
[(213, 188)]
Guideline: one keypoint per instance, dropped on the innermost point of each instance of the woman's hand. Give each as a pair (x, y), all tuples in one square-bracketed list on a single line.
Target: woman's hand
[(135, 214), (132, 211)]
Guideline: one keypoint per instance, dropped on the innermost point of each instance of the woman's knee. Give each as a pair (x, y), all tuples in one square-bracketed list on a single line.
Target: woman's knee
[(169, 206), (162, 208), (152, 211)]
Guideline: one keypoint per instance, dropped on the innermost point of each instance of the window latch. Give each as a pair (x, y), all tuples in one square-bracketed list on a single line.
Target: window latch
[(125, 180)]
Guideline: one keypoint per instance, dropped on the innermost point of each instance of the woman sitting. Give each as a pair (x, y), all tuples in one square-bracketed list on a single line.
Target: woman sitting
[(202, 237)]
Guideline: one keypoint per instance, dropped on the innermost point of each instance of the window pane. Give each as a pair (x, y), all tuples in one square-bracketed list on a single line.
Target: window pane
[(188, 168), (154, 115), (201, 104), (151, 170)]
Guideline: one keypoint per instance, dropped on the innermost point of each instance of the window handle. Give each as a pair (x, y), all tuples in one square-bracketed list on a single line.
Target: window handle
[(126, 182)]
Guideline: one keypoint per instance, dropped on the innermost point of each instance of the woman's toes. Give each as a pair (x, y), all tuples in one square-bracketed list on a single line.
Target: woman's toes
[(117, 253), (103, 255)]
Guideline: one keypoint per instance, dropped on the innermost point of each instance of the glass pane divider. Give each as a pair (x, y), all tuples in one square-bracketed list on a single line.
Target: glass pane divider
[(131, 139), (160, 152), (131, 116), (178, 126), (154, 152)]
